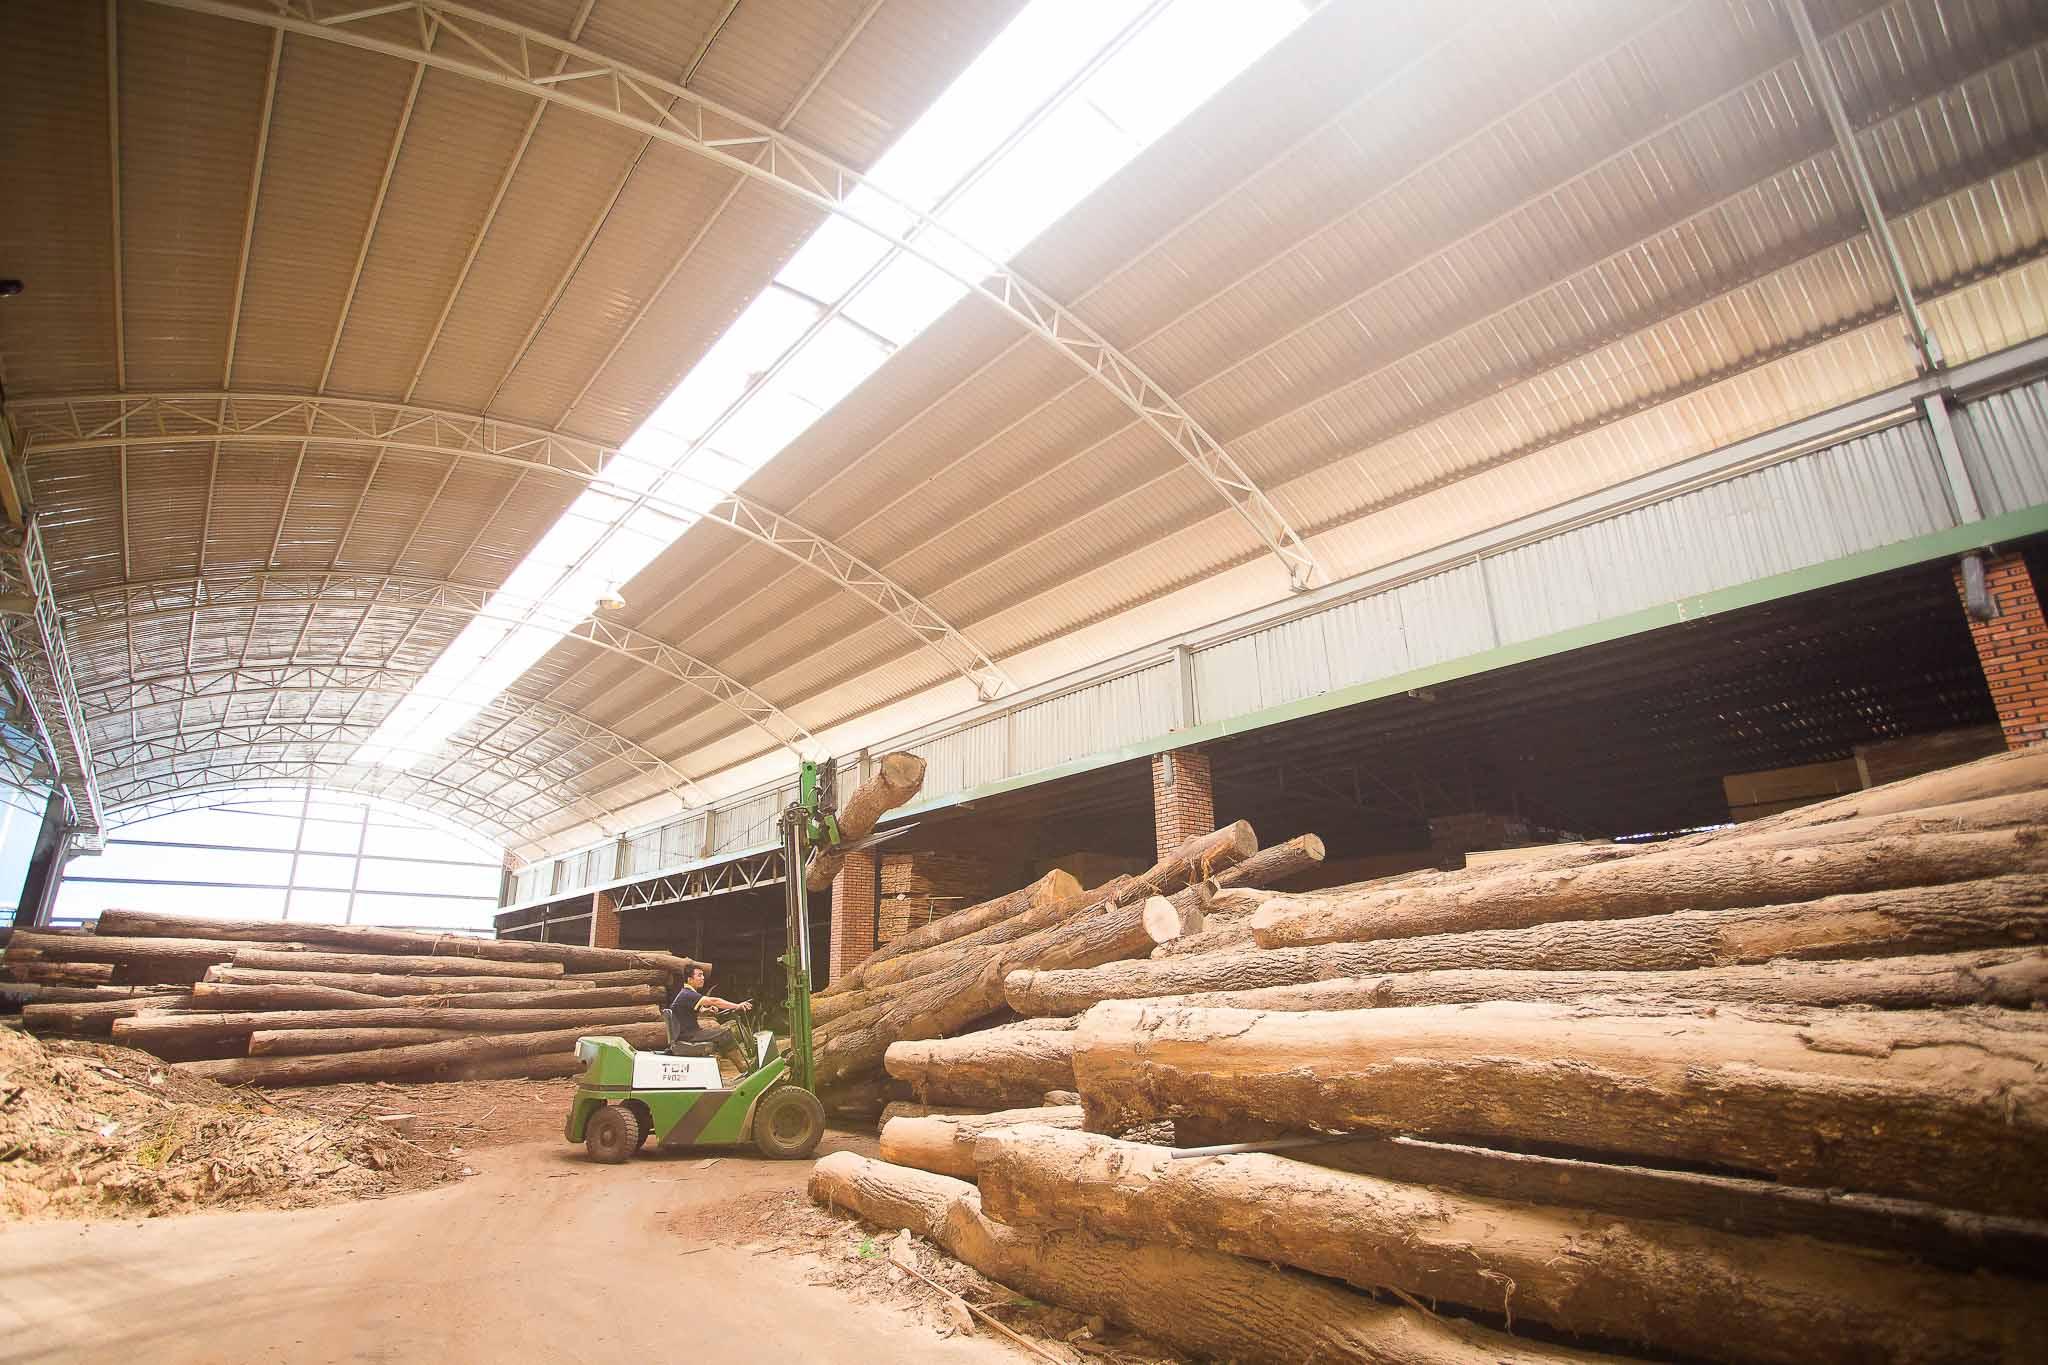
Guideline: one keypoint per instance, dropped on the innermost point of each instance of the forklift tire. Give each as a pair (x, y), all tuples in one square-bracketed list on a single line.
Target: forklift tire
[(612, 1134), (788, 1122), (644, 1117)]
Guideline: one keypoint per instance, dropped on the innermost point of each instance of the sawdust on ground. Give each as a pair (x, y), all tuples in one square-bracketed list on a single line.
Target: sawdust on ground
[(90, 1131)]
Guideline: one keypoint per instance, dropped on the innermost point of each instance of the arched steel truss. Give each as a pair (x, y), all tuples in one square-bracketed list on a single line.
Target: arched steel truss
[(209, 796), (494, 50), (69, 425), (33, 651), (583, 738), (156, 599), (222, 770)]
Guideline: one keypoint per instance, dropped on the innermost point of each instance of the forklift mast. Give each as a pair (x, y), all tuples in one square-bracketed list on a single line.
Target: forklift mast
[(809, 822)]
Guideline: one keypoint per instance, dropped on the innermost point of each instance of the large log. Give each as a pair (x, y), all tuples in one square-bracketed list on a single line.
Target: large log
[(1665, 1287), (1952, 1107), (175, 959), (910, 1109), (2013, 977), (380, 983), (1651, 884), (1993, 913), (1950, 1238), (1055, 886), (92, 1017), (897, 779), (945, 1143), (23, 967), (167, 1030), (996, 1068), (632, 977), (416, 942), (1206, 1303), (299, 1042), (90, 995), (2008, 774), (897, 975), (455, 1059), (944, 1002), (271, 959), (218, 995), (1205, 855)]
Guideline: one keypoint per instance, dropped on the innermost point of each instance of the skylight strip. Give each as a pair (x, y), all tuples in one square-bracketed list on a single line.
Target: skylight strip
[(1009, 147)]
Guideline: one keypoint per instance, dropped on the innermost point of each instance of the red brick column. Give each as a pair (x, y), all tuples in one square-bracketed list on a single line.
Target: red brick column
[(856, 897), (604, 921), (1183, 798), (2013, 648)]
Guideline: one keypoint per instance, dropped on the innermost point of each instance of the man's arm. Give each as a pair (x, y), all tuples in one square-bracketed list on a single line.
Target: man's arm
[(722, 1006)]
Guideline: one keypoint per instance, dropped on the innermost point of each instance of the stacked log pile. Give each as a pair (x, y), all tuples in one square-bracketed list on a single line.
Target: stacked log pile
[(278, 1003), (947, 978), (1778, 1093)]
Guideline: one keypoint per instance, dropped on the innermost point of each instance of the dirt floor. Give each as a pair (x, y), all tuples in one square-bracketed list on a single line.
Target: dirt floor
[(539, 1254)]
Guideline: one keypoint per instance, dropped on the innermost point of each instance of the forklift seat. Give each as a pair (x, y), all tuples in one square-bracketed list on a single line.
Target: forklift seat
[(698, 1047)]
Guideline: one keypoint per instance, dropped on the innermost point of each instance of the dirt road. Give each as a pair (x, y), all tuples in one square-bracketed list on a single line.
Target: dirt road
[(542, 1256)]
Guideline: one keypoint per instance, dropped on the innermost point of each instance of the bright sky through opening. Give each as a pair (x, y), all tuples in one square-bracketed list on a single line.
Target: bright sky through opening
[(1063, 98)]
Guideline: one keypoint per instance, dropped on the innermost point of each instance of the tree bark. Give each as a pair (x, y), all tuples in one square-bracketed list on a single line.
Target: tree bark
[(898, 777), (154, 1032), (894, 977), (357, 938), (1651, 884), (1208, 1304), (1949, 1238), (298, 1042), (217, 995), (996, 1068), (637, 976), (37, 970), (1664, 1287), (1993, 913), (258, 955), (90, 995), (1054, 886), (456, 1059), (94, 1018), (1951, 1108), (945, 1144), (388, 984), (2013, 977), (2008, 774)]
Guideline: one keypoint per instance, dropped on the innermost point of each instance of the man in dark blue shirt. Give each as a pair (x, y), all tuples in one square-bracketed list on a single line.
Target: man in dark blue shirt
[(683, 1026)]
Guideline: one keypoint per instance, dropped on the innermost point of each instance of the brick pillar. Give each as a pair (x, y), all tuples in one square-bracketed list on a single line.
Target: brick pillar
[(2013, 649), (1183, 798), (604, 921), (856, 897)]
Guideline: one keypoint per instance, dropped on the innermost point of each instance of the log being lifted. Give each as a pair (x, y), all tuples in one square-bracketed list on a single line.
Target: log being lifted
[(1055, 886), (219, 995), (1206, 1303), (456, 1059), (271, 959), (2016, 978), (382, 983), (1713, 878), (898, 777), (1666, 1287), (998, 1068), (416, 942), (1993, 913), (1951, 1108), (167, 1029), (945, 1143)]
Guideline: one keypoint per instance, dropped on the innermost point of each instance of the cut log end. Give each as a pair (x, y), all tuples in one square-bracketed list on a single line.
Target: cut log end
[(1166, 921)]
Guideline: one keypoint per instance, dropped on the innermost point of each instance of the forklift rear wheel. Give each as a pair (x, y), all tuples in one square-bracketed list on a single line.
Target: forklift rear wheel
[(612, 1134), (788, 1122)]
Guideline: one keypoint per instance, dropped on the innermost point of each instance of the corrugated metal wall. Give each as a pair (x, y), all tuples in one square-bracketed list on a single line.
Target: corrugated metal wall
[(1873, 490)]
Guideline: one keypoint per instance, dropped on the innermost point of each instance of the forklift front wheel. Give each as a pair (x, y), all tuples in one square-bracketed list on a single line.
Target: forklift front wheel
[(612, 1135), (788, 1122)]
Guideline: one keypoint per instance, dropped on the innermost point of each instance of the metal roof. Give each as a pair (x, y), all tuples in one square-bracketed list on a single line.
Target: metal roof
[(1421, 270)]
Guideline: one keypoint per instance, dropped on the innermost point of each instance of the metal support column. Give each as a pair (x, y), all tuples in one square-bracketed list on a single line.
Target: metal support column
[(45, 866)]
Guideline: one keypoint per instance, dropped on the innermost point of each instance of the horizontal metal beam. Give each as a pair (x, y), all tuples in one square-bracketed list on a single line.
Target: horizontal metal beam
[(180, 597), (498, 52), (85, 423)]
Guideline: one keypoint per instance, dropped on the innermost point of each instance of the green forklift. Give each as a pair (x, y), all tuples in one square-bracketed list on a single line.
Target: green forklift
[(678, 1097)]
